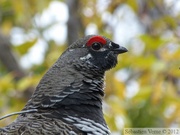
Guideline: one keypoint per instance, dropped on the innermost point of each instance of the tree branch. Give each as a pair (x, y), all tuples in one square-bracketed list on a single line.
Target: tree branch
[(8, 59), (74, 24)]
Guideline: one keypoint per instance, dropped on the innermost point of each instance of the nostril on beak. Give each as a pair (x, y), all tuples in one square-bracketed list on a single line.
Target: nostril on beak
[(117, 48)]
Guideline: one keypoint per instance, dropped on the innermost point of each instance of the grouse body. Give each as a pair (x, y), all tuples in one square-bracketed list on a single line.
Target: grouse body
[(68, 99)]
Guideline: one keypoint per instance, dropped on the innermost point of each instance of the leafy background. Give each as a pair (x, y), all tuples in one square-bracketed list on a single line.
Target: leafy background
[(142, 91)]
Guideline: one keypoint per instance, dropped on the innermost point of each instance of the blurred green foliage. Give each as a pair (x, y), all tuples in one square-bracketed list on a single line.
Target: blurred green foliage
[(155, 69)]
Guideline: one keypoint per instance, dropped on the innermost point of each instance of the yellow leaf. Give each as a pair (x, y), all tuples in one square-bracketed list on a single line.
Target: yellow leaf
[(23, 48)]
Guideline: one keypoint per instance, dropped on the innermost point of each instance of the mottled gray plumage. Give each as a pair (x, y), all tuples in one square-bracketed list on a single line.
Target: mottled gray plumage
[(68, 98)]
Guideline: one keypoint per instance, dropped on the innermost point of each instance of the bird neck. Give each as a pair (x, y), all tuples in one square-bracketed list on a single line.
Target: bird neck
[(64, 91), (65, 86), (85, 91)]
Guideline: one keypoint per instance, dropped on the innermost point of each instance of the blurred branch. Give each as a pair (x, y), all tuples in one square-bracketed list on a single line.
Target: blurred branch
[(8, 58), (74, 24), (149, 11)]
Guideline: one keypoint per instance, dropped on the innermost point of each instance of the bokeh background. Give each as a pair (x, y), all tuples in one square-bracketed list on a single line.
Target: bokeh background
[(142, 91)]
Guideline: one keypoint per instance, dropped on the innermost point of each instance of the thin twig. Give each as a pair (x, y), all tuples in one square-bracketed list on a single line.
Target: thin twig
[(21, 112)]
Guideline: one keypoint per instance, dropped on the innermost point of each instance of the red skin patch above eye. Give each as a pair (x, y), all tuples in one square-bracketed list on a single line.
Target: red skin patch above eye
[(96, 39)]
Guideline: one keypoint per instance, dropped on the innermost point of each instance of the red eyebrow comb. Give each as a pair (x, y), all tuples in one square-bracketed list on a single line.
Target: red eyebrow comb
[(93, 39)]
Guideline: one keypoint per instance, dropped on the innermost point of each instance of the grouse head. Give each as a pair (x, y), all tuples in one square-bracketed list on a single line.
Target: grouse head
[(94, 53)]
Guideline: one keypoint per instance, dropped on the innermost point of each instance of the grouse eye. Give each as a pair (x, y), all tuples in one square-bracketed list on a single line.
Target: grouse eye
[(96, 46)]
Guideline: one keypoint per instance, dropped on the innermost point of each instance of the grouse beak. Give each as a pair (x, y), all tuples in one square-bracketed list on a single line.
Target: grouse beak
[(121, 49), (117, 48)]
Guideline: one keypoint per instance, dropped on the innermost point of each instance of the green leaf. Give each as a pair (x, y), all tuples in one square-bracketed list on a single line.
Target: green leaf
[(152, 42), (23, 48), (133, 4)]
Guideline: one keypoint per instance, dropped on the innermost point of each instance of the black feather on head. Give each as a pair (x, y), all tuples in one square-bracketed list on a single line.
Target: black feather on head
[(96, 53)]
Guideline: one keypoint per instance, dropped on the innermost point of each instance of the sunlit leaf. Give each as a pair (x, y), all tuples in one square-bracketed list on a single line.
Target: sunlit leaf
[(6, 83), (152, 42), (23, 48)]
